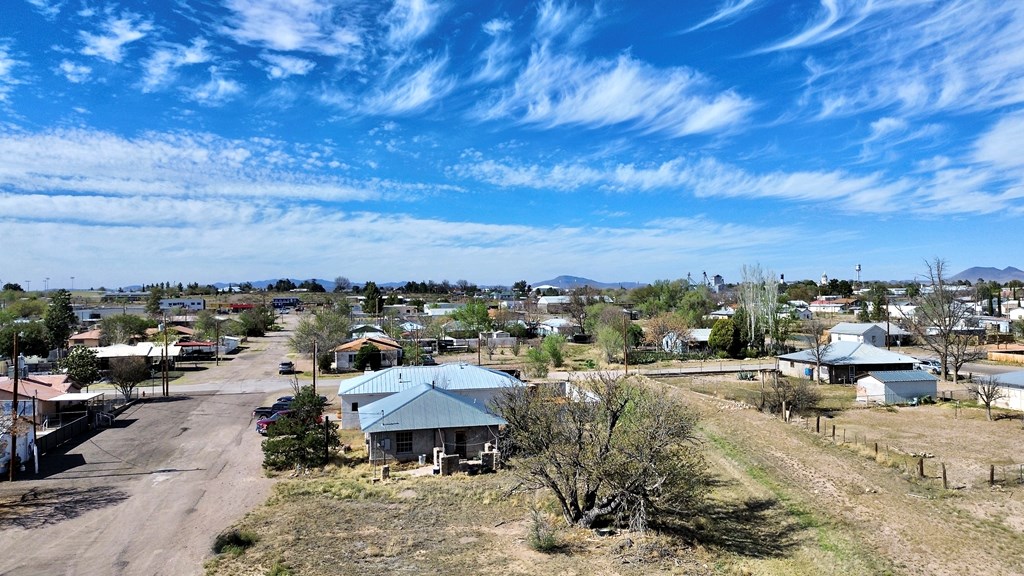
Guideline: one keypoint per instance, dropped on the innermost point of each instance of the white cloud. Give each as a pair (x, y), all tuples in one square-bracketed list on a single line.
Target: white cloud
[(75, 73), (7, 65), (410, 20), (418, 91), (217, 90), (915, 56), (48, 8), (557, 90), (326, 27), (1000, 146), (116, 33), (281, 66), (560, 21), (728, 11), (161, 65), (496, 59)]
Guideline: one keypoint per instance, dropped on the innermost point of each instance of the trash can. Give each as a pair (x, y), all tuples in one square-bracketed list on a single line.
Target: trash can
[(423, 459)]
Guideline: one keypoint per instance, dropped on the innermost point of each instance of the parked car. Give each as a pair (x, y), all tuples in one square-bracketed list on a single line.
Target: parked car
[(264, 423), (286, 367), (929, 365), (428, 360), (266, 411)]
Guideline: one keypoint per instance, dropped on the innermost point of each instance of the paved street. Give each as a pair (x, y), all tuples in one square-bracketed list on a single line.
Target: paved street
[(149, 494)]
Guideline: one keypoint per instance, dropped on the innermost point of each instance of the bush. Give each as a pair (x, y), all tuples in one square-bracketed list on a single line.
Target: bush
[(234, 541), (541, 536), (536, 363)]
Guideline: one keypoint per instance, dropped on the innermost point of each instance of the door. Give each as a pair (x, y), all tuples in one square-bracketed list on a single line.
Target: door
[(460, 444)]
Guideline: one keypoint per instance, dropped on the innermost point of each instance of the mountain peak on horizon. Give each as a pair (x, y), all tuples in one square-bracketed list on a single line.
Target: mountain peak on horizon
[(989, 273), (565, 282)]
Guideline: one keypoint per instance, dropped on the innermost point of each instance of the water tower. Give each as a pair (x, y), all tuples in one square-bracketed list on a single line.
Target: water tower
[(857, 268)]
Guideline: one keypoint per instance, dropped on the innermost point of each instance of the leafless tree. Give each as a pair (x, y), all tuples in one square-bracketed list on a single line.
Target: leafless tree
[(492, 347), (615, 450), (818, 346), (579, 300), (938, 316), (964, 346), (987, 390), (661, 325), (127, 372)]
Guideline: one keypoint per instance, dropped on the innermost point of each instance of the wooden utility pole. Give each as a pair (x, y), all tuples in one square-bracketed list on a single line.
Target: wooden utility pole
[(14, 412)]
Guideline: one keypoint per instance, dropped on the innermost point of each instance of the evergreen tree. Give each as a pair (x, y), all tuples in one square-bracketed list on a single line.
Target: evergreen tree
[(60, 320)]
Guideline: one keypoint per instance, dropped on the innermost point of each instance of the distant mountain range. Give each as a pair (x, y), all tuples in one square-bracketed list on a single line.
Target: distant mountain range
[(566, 282), (989, 274)]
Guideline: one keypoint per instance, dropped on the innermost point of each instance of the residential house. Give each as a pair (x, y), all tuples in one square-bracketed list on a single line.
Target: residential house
[(1012, 390), (694, 340), (89, 338), (865, 332), (895, 387), (434, 309), (843, 362), (390, 352), (833, 305), (415, 421), (553, 304), (723, 312), (476, 384), (43, 388), (557, 326)]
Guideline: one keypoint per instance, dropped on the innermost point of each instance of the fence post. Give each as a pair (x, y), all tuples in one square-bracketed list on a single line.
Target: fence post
[(992, 475), (817, 425), (876, 450), (920, 467), (844, 435), (833, 432), (945, 485)]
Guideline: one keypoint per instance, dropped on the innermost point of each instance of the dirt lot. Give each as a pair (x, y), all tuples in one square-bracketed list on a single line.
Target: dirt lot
[(786, 500)]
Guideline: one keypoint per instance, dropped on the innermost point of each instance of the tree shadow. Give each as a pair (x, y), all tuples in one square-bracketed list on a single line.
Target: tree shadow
[(41, 507), (755, 527)]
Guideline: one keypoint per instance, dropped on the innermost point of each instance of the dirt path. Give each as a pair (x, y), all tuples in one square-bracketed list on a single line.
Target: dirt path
[(918, 528)]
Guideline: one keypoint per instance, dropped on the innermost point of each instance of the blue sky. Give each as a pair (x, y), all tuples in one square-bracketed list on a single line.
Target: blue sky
[(231, 140)]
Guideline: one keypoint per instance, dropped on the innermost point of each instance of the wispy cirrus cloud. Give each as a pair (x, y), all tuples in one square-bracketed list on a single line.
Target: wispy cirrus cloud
[(7, 66), (415, 92), (330, 27), (216, 91), (914, 56), (562, 22), (160, 67), (728, 11), (48, 8), (496, 59), (279, 66), (555, 90), (410, 20), (116, 33)]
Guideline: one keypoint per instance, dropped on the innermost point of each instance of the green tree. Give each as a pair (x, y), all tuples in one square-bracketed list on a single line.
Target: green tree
[(122, 328), (303, 437), (328, 327), (619, 451), (60, 320), (554, 347), (81, 365), (127, 372), (725, 338), (367, 355), (256, 321), (520, 288), (373, 301), (609, 340), (31, 339), (473, 317), (153, 301), (537, 363), (412, 354), (660, 297)]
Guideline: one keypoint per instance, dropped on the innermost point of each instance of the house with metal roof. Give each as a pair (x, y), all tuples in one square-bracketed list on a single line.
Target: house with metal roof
[(1012, 393), (476, 384), (411, 423), (695, 339), (896, 386), (843, 362), (865, 332), (390, 351)]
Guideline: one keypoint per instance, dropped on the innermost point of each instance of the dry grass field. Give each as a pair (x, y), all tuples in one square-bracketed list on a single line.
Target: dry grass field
[(785, 500)]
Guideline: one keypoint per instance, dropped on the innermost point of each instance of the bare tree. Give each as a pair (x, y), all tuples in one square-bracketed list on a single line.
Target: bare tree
[(127, 372), (661, 325), (818, 345), (939, 316), (987, 390), (964, 346), (579, 300), (612, 450)]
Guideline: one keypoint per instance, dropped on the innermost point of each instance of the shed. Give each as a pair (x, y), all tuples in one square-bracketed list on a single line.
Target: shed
[(896, 386)]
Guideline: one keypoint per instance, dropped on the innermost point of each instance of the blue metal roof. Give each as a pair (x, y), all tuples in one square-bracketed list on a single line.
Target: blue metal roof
[(424, 407), (444, 376), (846, 353), (902, 375)]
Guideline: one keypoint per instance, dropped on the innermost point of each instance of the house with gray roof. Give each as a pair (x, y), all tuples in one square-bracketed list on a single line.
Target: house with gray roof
[(476, 384), (895, 386), (411, 423), (843, 362), (1012, 384)]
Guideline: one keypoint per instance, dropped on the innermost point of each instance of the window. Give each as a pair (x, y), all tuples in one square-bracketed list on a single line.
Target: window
[(355, 406), (403, 442)]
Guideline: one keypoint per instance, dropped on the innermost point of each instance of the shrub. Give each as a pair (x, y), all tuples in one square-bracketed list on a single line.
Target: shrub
[(234, 541), (542, 529)]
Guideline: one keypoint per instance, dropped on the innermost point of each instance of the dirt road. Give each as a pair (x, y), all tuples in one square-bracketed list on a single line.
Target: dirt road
[(148, 495)]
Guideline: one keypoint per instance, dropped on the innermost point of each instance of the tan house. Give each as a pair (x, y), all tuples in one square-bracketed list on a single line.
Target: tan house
[(390, 352), (89, 339)]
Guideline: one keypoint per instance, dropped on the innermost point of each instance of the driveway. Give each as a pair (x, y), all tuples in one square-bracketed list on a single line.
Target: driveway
[(149, 494)]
